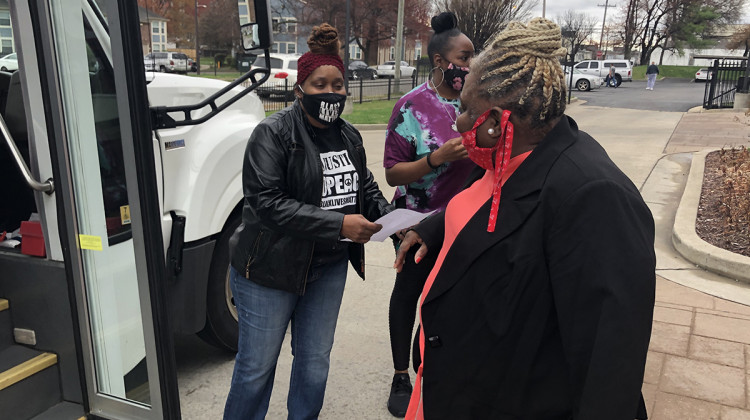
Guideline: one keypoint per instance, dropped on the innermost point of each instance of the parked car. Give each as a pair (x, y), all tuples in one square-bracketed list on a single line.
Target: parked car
[(703, 75), (360, 70), (623, 69), (388, 69), (283, 75), (9, 62), (166, 62), (192, 65), (583, 82)]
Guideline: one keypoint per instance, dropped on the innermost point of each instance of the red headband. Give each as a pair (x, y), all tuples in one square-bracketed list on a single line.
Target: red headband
[(309, 62)]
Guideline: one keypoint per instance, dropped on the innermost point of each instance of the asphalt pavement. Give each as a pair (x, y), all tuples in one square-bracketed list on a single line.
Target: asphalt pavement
[(672, 95)]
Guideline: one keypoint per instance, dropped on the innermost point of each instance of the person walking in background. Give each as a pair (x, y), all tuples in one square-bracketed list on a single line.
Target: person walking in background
[(651, 73), (611, 80), (540, 302), (424, 157), (306, 187)]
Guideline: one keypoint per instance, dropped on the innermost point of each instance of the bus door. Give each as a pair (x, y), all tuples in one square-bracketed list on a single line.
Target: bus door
[(87, 130)]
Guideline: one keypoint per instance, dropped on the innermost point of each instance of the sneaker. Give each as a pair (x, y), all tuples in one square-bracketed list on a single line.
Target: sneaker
[(401, 389)]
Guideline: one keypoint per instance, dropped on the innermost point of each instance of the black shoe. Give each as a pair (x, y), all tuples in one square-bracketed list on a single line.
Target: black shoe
[(401, 389)]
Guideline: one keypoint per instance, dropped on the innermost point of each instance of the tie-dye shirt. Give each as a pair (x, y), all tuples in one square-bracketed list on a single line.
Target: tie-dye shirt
[(421, 123)]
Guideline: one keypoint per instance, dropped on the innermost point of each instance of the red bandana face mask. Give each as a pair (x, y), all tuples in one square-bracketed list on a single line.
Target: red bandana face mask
[(491, 158)]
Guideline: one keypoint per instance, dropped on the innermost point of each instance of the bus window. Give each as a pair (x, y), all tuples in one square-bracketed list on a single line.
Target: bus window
[(109, 142)]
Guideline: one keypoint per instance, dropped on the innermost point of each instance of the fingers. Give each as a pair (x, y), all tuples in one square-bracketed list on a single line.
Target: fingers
[(421, 252)]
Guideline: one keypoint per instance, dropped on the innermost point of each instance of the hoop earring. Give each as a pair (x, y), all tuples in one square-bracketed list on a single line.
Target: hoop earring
[(442, 79)]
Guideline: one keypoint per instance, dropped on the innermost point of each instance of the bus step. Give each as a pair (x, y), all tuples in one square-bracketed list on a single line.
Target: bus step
[(6, 325), (63, 411), (29, 382)]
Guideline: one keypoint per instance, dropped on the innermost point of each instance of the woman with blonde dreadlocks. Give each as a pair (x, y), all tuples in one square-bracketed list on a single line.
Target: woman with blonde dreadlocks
[(541, 299)]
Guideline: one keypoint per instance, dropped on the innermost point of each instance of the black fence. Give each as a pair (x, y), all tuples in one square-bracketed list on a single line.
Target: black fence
[(277, 95), (726, 77)]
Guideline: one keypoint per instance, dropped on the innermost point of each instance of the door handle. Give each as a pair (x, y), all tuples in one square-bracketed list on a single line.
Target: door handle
[(47, 186)]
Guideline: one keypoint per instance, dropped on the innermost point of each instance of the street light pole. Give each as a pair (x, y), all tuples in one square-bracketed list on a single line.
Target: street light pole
[(544, 8)]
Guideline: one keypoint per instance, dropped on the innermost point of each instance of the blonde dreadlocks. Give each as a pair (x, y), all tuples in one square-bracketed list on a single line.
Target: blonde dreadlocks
[(520, 66)]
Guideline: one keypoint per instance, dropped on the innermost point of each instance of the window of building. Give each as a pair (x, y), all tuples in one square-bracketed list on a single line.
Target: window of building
[(291, 25), (276, 24), (291, 48), (355, 53), (281, 47), (392, 54)]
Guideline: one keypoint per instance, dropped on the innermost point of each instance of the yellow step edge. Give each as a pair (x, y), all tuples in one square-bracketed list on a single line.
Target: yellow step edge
[(24, 370), (4, 304)]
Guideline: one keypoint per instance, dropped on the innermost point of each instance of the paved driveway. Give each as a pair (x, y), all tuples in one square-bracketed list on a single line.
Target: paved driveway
[(676, 95)]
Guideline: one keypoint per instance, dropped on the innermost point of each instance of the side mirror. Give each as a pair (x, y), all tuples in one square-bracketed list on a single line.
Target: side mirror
[(255, 24)]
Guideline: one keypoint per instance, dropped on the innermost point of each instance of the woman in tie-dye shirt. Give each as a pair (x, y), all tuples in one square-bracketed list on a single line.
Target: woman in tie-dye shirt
[(425, 159)]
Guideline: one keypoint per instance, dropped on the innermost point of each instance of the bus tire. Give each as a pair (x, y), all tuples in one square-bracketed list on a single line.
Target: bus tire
[(221, 329)]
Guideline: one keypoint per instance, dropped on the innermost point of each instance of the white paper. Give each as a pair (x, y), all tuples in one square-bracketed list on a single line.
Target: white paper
[(394, 221), (397, 220)]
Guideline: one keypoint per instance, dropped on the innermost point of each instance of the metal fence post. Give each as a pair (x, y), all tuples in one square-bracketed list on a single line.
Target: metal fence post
[(361, 85), (286, 92), (389, 88)]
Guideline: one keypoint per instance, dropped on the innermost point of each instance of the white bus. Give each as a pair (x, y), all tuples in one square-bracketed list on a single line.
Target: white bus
[(125, 187)]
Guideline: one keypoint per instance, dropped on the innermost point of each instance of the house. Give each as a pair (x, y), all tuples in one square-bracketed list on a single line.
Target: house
[(153, 31), (6, 30)]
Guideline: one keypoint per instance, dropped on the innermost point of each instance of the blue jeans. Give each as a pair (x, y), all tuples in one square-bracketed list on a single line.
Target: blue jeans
[(264, 315)]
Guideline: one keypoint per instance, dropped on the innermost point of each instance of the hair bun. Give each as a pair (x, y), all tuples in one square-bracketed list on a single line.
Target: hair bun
[(324, 39), (444, 22)]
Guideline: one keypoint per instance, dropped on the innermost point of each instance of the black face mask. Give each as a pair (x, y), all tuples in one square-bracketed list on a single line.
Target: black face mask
[(325, 108), (455, 76)]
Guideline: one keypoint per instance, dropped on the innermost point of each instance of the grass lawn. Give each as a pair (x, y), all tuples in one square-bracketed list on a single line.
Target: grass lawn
[(373, 112), (227, 76), (680, 72)]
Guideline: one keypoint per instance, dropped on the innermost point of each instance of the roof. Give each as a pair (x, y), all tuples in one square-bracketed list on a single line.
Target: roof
[(146, 15)]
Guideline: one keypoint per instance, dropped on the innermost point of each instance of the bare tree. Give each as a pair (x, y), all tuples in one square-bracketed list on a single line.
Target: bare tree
[(674, 24), (741, 40), (576, 27), (220, 25), (481, 19), (372, 21)]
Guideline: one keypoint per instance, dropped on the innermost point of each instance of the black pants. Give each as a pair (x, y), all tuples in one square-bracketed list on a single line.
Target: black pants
[(403, 306)]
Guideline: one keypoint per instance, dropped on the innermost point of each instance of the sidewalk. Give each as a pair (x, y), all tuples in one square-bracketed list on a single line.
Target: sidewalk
[(699, 360), (698, 364)]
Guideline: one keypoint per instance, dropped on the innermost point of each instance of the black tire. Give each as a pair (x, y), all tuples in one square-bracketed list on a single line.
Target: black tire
[(221, 328), (583, 85), (162, 69), (4, 69), (618, 80)]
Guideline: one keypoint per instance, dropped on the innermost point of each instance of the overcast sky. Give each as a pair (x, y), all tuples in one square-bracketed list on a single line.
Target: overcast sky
[(557, 7)]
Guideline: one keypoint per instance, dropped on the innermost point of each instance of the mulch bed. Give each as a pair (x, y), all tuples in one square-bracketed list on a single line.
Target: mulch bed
[(724, 209)]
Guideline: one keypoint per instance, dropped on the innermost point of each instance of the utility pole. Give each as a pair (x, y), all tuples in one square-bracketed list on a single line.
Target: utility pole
[(604, 22), (544, 8), (197, 45), (346, 47), (399, 42)]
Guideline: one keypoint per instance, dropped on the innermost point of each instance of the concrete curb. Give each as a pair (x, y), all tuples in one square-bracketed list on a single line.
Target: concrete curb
[(687, 242), (371, 127)]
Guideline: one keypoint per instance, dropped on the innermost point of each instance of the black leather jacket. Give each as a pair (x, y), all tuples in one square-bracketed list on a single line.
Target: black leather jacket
[(282, 180)]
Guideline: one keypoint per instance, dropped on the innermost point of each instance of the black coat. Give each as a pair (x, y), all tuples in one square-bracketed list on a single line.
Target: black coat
[(282, 180), (549, 317)]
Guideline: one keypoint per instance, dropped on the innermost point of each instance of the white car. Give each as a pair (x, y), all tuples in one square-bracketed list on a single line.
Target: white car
[(283, 75), (702, 75), (166, 62), (9, 63), (388, 69), (583, 82)]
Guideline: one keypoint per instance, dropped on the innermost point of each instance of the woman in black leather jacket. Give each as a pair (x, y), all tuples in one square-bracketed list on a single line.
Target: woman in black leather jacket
[(307, 188)]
